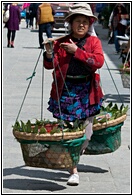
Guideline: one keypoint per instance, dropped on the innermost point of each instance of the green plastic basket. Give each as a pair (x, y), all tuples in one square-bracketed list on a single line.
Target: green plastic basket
[(105, 140)]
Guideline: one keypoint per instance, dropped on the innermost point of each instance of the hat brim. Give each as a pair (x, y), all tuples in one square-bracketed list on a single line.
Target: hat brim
[(67, 19)]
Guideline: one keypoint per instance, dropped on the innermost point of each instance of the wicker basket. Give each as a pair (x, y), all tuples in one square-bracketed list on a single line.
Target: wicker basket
[(60, 150), (110, 123), (48, 136), (51, 154), (106, 137), (63, 150)]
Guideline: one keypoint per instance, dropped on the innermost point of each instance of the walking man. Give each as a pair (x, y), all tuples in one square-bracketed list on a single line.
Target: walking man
[(45, 21)]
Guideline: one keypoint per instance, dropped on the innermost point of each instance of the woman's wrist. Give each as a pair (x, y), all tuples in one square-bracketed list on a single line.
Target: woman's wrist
[(49, 53)]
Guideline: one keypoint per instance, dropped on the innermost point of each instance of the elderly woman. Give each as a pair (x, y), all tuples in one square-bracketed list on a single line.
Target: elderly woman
[(75, 59)]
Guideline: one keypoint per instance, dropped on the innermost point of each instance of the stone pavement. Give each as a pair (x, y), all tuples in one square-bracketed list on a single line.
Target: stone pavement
[(99, 174)]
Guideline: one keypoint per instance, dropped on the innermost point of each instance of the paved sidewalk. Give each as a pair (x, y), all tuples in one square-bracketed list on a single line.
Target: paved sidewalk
[(99, 174)]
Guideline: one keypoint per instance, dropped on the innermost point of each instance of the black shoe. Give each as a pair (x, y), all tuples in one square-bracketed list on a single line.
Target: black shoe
[(12, 46), (8, 45)]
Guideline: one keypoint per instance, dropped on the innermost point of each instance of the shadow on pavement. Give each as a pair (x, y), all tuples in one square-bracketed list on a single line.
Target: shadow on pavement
[(25, 171), (92, 169), (31, 184), (49, 174), (34, 184), (125, 98), (125, 80), (32, 47), (44, 184)]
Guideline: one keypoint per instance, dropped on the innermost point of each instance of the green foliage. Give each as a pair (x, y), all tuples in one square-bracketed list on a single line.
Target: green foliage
[(103, 120), (111, 110), (23, 126), (39, 122), (95, 121), (35, 129), (44, 122), (42, 130), (39, 126), (17, 126), (124, 70), (55, 130), (28, 125), (77, 125)]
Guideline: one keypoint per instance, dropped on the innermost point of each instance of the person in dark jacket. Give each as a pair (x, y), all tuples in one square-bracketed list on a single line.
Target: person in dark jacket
[(13, 23), (76, 92), (33, 14)]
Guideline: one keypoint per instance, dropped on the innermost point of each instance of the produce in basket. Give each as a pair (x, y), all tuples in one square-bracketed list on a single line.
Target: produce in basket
[(38, 130), (59, 147), (40, 126), (109, 113)]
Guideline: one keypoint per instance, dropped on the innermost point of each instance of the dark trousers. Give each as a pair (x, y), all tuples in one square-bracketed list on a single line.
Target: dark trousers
[(46, 27), (117, 45), (27, 19), (32, 21), (11, 35)]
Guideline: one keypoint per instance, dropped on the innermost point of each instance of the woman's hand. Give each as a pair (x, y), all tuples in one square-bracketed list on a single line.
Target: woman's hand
[(48, 43), (69, 47)]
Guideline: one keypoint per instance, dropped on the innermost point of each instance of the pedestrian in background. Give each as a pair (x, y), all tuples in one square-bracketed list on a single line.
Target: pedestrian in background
[(33, 14), (26, 8), (13, 24), (118, 15), (45, 21), (6, 7), (75, 59)]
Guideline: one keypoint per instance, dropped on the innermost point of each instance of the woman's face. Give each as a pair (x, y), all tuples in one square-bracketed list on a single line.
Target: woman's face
[(80, 26)]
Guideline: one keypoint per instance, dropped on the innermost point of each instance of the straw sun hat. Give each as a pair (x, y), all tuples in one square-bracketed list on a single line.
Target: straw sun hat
[(80, 8)]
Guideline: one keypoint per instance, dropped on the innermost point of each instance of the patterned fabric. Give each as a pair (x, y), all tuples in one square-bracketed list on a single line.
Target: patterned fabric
[(74, 103)]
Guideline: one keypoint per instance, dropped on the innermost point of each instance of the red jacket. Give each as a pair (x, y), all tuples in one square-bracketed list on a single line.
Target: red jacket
[(92, 57)]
